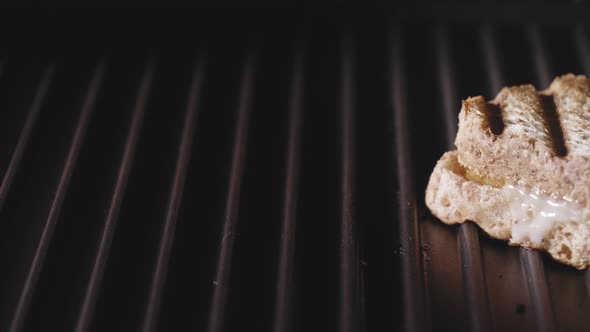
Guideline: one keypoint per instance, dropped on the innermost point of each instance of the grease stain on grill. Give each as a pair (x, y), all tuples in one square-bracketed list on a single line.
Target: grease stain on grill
[(553, 124), (493, 113)]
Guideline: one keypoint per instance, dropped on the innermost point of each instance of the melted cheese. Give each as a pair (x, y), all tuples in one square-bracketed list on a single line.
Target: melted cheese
[(535, 214)]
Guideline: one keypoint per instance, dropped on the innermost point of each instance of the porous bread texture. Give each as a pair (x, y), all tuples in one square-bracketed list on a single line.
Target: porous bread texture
[(454, 199), (523, 153)]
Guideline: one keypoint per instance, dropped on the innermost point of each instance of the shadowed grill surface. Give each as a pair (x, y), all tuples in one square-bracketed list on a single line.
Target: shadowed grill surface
[(269, 178)]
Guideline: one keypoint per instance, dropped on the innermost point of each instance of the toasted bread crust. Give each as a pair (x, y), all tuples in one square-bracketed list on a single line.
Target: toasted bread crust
[(523, 153), (454, 199)]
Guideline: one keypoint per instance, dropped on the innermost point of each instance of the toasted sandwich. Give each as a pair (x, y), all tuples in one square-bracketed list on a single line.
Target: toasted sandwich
[(521, 170)]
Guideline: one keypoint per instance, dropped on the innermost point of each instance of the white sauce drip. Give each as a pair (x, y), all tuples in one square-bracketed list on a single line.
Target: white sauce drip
[(535, 213)]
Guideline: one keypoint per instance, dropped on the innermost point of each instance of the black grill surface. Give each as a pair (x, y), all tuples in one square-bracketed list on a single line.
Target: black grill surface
[(264, 176)]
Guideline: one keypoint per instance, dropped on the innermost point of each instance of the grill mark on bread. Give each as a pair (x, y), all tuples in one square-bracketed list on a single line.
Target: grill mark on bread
[(494, 119), (553, 125)]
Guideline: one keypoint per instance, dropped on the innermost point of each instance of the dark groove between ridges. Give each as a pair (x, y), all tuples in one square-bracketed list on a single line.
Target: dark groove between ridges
[(100, 260), (227, 237), (25, 135), (553, 124), (32, 277), (476, 296), (416, 313), (284, 296)]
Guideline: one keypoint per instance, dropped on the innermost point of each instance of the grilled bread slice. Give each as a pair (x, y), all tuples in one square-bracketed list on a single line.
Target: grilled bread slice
[(522, 169)]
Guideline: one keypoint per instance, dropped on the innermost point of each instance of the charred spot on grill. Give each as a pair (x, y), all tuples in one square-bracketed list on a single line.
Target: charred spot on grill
[(493, 113), (553, 124)]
